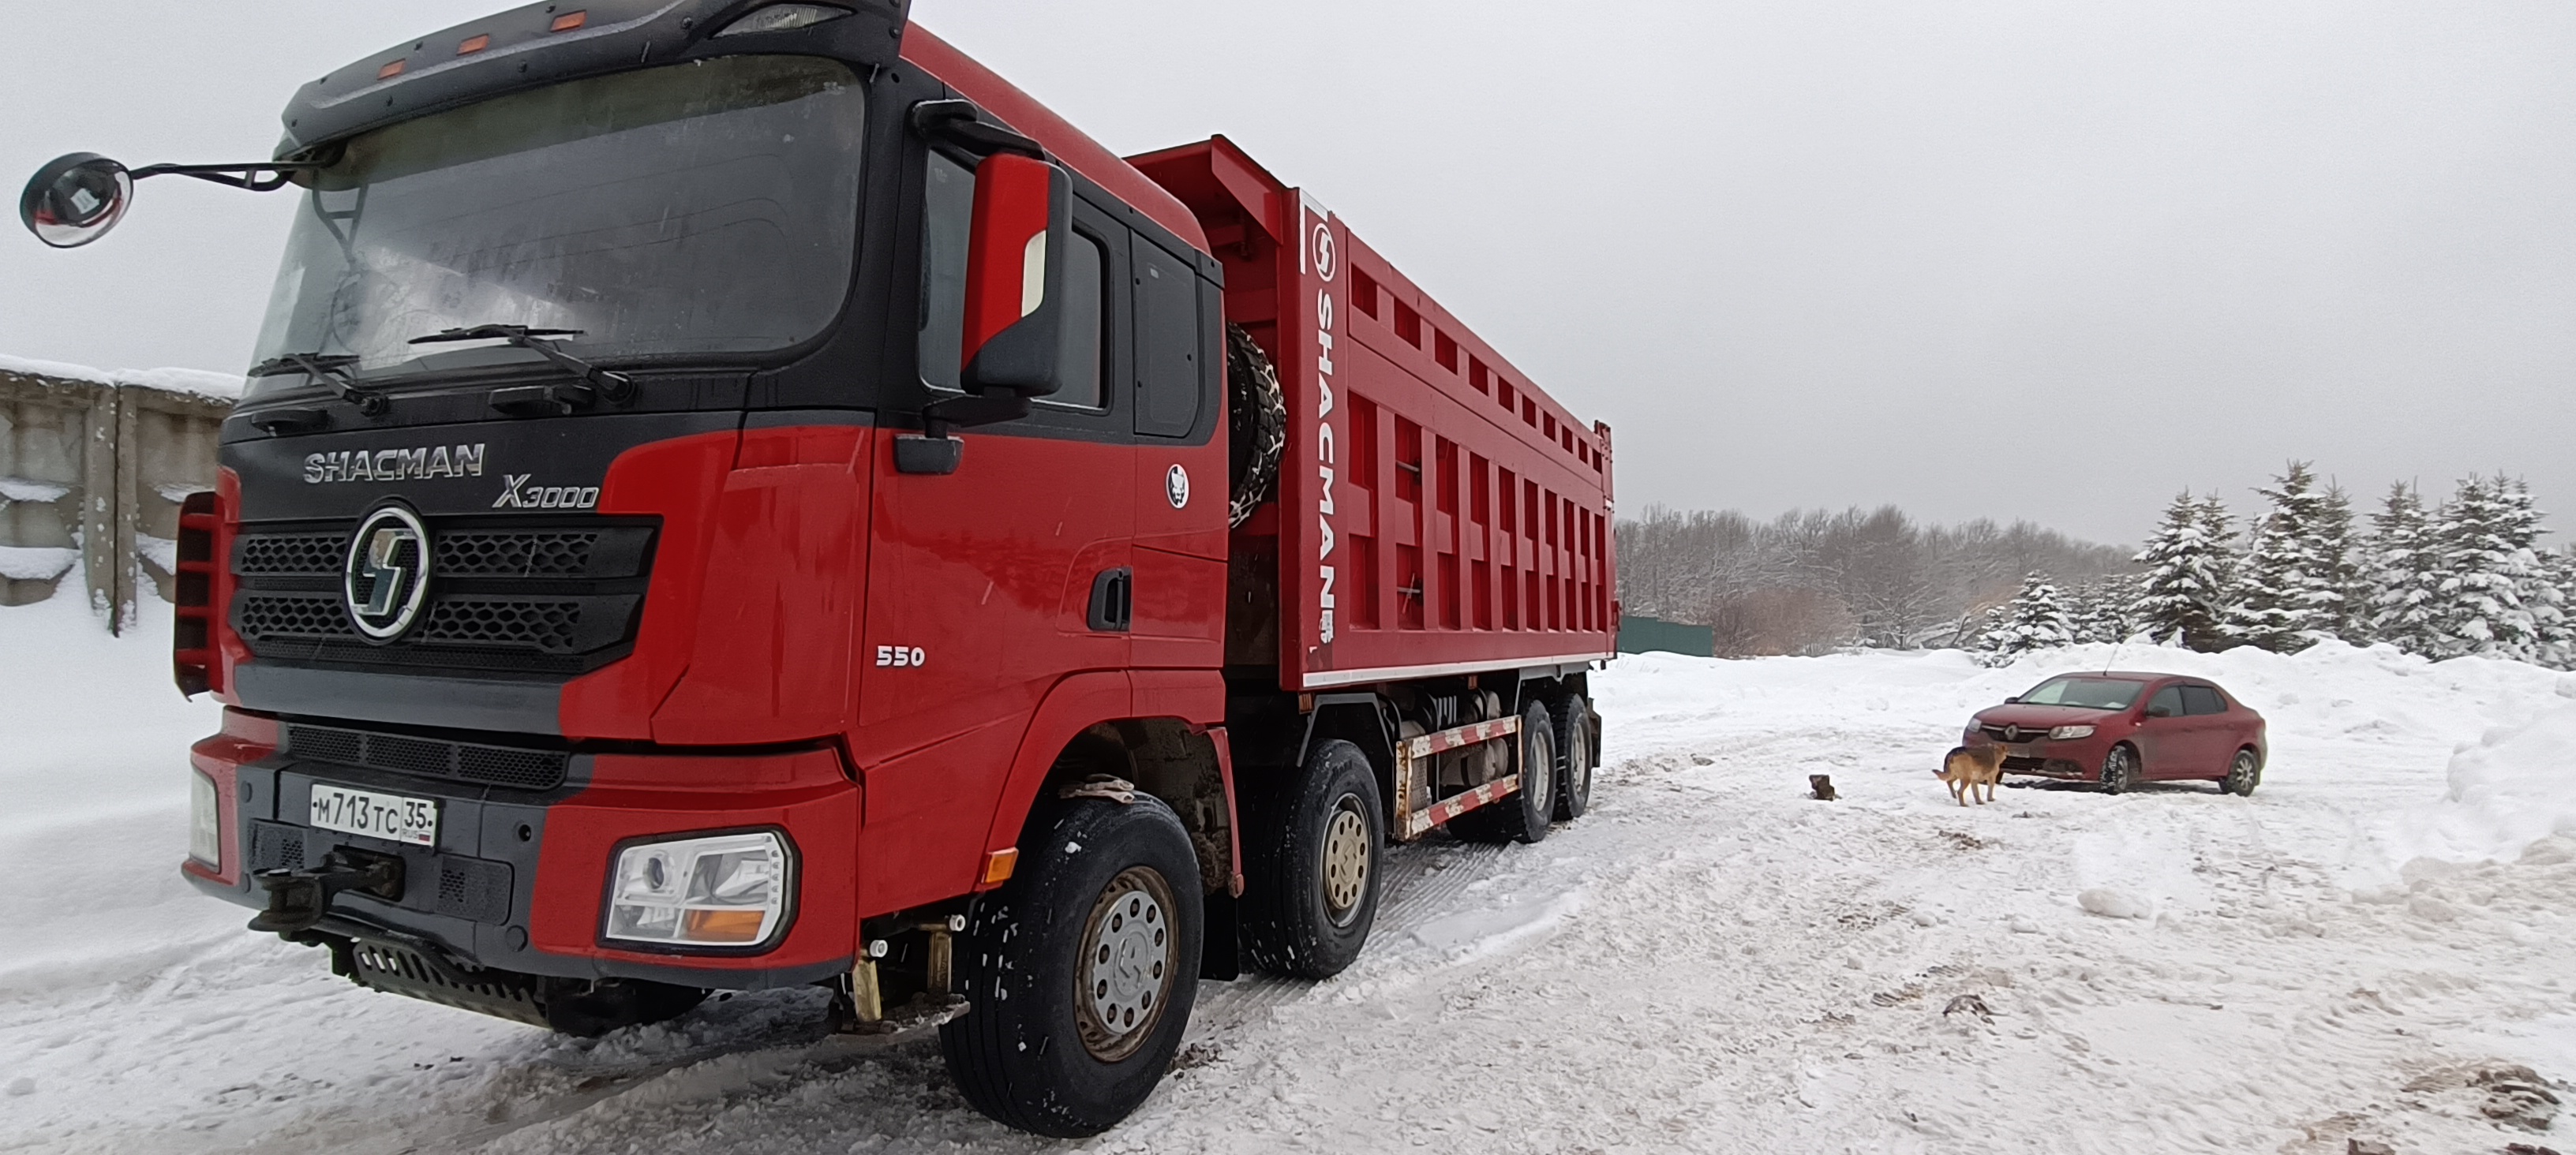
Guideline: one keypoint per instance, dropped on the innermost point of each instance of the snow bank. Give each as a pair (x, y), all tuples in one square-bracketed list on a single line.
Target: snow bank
[(2510, 789), (220, 386)]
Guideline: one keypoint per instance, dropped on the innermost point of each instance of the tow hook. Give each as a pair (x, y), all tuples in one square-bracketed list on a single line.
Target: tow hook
[(297, 899)]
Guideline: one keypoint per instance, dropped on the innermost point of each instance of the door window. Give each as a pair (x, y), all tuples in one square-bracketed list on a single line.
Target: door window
[(948, 201), (2167, 702), (1167, 342), (2202, 700)]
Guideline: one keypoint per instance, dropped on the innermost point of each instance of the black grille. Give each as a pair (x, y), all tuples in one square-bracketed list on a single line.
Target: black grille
[(473, 888), (264, 616), (505, 597), (290, 553), (545, 625), (563, 553), (512, 766), (613, 552), (276, 846)]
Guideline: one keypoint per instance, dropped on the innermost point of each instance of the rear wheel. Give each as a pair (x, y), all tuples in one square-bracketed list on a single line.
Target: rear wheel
[(2243, 775), (2119, 770), (1523, 817), (1081, 971), (1574, 757), (1311, 885)]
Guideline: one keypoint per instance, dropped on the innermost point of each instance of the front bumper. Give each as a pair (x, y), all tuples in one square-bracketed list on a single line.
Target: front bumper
[(518, 877), (2071, 760)]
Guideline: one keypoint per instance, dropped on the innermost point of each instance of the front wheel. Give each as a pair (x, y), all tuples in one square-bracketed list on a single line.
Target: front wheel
[(2243, 775), (2119, 770), (1081, 971)]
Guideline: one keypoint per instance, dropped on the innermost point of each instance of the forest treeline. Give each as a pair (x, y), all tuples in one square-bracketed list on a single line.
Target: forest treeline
[(1813, 581)]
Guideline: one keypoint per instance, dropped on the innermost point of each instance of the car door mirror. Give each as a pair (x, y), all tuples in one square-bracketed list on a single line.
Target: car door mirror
[(2160, 711), (76, 199), (1019, 236), (2015, 700)]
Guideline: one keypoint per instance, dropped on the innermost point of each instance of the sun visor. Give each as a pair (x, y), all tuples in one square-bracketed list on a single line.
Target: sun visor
[(540, 44)]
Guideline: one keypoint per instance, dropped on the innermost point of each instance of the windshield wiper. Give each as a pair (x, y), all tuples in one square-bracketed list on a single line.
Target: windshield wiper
[(333, 368), (615, 387)]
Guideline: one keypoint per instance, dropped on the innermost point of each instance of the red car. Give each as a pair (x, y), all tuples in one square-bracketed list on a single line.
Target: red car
[(2120, 729)]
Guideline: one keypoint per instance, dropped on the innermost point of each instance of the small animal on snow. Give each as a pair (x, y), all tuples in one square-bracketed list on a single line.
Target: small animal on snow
[(1968, 767), (1823, 785)]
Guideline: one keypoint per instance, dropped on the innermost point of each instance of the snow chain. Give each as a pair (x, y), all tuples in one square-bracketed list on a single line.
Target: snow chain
[(1258, 423)]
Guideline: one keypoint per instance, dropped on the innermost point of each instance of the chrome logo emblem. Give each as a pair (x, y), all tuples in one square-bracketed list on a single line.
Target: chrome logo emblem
[(386, 577), (2012, 733)]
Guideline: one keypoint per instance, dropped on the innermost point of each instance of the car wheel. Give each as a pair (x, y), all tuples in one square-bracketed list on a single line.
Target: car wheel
[(2243, 775), (1311, 885), (1574, 757), (1522, 817), (1081, 971), (2119, 770)]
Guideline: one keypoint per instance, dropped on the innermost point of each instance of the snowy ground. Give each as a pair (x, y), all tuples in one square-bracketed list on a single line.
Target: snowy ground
[(1710, 962)]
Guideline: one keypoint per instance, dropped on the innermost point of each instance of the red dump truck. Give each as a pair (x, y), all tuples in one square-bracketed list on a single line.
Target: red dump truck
[(736, 494)]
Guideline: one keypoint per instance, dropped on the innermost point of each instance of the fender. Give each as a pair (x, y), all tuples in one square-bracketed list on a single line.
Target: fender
[(1071, 706)]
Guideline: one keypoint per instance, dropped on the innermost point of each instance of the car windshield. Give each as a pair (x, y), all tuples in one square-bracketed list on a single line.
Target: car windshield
[(2089, 693), (708, 207)]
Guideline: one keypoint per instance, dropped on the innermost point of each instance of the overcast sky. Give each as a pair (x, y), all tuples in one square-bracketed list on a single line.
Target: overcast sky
[(2051, 261)]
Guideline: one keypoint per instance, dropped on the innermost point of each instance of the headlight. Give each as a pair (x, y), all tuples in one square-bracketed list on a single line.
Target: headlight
[(205, 823), (727, 890), (2064, 732)]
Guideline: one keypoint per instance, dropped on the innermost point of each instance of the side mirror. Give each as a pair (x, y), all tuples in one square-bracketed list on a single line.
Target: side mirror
[(2015, 700), (2160, 711), (75, 199), (1019, 234)]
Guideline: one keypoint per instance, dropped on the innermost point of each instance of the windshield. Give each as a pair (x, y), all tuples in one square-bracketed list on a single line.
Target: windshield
[(2090, 693), (708, 207)]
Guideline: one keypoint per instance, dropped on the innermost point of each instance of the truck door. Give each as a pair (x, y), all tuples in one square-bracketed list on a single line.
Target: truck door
[(1180, 465), (981, 581)]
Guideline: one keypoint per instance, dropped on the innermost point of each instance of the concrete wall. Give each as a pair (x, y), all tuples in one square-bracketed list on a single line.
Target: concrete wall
[(91, 475)]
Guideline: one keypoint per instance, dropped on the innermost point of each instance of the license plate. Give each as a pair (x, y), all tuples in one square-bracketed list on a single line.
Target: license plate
[(390, 816), (2023, 751)]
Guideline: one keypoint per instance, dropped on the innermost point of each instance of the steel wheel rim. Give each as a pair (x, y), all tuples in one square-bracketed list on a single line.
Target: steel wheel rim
[(2241, 776), (1578, 765), (1346, 861), (1128, 949), (1538, 773)]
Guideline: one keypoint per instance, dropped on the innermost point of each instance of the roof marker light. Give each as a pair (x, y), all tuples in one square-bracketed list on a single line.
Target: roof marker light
[(474, 44), (569, 21), (392, 69), (783, 18)]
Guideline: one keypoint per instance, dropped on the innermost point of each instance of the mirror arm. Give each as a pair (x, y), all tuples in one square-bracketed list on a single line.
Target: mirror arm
[(954, 122), (242, 176)]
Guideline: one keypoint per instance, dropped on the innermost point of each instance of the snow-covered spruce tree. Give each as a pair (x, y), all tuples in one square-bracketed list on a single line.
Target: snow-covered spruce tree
[(2036, 620), (2494, 598), (2181, 596), (2337, 546), (2291, 585), (2404, 574), (2098, 610)]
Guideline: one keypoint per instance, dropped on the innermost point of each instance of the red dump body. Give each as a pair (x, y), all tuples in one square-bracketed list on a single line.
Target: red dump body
[(1438, 514)]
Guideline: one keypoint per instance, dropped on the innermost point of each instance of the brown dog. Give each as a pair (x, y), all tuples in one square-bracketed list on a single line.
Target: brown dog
[(1969, 767)]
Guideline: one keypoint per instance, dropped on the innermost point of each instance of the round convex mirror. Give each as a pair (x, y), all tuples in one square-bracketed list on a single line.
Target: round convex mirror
[(75, 199)]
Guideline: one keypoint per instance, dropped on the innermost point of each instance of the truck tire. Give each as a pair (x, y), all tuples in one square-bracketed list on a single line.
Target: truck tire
[(1311, 876), (1080, 972), (1523, 817), (1573, 757), (1257, 416)]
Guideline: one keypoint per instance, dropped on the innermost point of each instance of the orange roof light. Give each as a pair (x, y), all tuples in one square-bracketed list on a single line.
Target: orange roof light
[(474, 44), (392, 69), (569, 21)]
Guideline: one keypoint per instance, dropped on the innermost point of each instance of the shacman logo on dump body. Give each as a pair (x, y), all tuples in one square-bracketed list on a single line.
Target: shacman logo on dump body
[(1323, 257), (425, 461)]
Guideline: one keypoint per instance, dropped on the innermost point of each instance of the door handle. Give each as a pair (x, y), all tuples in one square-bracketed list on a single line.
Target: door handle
[(1113, 600)]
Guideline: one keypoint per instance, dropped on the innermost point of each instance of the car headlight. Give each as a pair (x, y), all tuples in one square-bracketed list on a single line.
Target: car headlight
[(725, 890), (2064, 732), (205, 822)]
